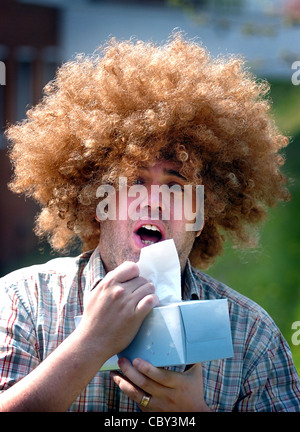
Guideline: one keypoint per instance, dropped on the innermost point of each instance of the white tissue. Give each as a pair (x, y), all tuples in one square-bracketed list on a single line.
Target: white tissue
[(159, 264)]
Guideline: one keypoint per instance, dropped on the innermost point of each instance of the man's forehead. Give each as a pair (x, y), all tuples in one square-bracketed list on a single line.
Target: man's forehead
[(162, 167)]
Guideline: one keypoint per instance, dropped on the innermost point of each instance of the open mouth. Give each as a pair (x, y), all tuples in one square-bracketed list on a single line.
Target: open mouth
[(149, 234)]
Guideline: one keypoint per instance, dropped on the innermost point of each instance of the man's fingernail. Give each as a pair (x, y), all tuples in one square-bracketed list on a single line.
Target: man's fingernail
[(136, 362), (121, 361)]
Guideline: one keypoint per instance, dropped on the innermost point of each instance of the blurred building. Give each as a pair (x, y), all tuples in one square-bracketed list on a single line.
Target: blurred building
[(37, 35), (29, 49)]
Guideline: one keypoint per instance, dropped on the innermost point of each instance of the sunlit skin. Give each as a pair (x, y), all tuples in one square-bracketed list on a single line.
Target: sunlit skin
[(119, 242)]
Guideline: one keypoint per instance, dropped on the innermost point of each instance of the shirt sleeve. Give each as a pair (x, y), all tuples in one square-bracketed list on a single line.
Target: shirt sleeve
[(19, 353), (272, 384)]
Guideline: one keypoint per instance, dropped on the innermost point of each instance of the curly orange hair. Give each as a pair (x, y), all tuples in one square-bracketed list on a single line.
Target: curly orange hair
[(137, 101)]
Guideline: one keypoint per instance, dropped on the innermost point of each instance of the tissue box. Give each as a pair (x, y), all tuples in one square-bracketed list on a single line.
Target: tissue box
[(181, 333)]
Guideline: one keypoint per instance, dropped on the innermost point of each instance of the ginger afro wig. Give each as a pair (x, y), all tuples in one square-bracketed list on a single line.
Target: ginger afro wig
[(136, 101)]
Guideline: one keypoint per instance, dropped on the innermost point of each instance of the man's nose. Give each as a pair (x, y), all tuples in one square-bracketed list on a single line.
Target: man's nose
[(153, 205)]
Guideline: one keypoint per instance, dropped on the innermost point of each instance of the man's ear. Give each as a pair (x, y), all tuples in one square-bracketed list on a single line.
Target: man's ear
[(200, 231)]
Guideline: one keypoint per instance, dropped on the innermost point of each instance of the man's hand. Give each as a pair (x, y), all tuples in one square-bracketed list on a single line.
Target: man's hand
[(169, 391), (115, 309), (113, 314)]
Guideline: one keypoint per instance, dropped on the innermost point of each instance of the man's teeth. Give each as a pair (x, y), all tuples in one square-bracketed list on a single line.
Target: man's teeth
[(147, 242), (151, 227)]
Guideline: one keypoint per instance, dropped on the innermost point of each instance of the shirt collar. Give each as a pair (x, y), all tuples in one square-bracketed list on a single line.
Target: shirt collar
[(191, 289), (94, 270)]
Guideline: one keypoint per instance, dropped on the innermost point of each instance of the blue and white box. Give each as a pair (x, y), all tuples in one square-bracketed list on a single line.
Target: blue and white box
[(183, 333), (176, 332)]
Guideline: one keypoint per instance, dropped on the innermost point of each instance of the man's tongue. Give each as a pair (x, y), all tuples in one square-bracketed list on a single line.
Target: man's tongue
[(149, 236)]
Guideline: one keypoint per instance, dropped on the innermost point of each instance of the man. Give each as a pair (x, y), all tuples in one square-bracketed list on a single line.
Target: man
[(157, 116)]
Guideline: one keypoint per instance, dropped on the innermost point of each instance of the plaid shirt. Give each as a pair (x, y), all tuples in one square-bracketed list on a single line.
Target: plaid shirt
[(39, 303)]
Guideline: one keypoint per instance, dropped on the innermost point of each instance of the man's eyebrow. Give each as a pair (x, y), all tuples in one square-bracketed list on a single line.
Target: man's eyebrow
[(174, 173)]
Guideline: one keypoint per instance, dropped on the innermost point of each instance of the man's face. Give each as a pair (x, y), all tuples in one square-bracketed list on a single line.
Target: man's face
[(121, 240)]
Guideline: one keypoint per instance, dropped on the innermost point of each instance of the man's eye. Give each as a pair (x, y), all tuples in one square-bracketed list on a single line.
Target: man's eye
[(139, 181)]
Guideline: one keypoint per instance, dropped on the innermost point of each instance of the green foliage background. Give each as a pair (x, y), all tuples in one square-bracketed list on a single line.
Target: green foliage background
[(270, 274)]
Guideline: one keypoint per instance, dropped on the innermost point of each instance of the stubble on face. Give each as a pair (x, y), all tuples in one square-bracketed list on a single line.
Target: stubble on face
[(115, 246), (118, 239)]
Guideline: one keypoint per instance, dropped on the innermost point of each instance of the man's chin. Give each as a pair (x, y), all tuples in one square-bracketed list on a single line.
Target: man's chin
[(131, 255)]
